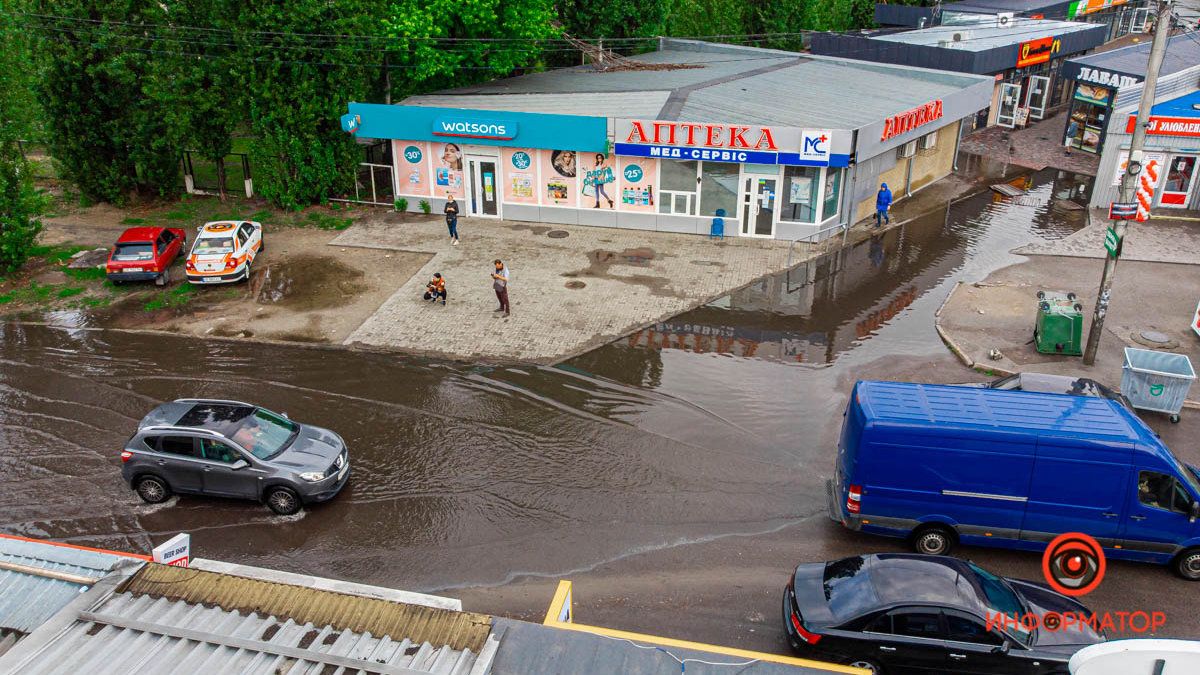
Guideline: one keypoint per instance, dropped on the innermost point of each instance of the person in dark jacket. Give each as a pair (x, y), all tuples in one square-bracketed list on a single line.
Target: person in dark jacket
[(451, 212), (883, 202)]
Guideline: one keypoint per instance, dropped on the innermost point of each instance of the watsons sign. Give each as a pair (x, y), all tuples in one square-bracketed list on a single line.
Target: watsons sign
[(500, 130), (1106, 79)]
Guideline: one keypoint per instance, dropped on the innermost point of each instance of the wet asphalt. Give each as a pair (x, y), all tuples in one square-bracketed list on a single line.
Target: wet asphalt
[(676, 475)]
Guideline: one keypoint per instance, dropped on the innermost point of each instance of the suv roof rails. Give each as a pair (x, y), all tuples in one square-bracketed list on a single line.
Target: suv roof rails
[(214, 400), (172, 427)]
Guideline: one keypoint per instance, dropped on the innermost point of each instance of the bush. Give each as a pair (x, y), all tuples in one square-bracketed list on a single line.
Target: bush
[(20, 205), (425, 207), (402, 205)]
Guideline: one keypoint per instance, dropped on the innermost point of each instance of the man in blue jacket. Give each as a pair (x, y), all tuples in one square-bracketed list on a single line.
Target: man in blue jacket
[(883, 202)]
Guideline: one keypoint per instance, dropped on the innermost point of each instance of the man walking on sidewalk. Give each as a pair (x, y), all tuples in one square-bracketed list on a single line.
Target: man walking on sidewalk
[(451, 212), (500, 285), (883, 202)]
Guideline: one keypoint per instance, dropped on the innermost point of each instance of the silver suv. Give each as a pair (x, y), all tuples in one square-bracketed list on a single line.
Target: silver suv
[(233, 449)]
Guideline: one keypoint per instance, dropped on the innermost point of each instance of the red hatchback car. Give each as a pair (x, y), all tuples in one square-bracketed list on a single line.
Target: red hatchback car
[(145, 253)]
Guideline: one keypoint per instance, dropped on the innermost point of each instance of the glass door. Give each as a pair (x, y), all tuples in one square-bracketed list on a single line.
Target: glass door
[(1035, 98), (758, 206), (483, 184), (1010, 98), (1181, 176)]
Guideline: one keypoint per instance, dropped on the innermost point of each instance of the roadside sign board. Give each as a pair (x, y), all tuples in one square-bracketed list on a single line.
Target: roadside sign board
[(1122, 210), (176, 551), (1111, 242)]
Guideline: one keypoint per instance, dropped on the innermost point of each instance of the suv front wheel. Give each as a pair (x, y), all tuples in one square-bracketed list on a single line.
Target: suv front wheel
[(283, 501), (152, 489)]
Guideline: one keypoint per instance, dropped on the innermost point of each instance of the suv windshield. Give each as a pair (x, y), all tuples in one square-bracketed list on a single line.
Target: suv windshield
[(1001, 599), (134, 251), (213, 245), (264, 433)]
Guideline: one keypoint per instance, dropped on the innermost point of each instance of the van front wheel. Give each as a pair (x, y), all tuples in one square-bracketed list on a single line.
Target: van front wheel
[(1187, 564), (933, 540)]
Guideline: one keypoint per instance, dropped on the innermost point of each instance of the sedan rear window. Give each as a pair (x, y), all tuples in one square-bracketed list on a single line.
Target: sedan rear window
[(209, 245), (265, 434), (848, 588), (134, 251)]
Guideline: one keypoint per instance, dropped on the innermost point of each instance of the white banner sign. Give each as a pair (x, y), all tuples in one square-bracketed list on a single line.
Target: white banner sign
[(176, 551), (1147, 157)]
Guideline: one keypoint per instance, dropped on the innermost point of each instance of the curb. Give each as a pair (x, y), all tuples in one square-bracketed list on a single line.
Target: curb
[(950, 344)]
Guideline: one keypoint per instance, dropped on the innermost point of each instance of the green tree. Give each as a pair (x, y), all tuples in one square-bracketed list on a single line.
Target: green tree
[(20, 203), (108, 137)]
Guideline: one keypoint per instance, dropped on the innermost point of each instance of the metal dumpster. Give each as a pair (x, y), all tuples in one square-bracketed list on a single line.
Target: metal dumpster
[(1157, 381), (1059, 327)]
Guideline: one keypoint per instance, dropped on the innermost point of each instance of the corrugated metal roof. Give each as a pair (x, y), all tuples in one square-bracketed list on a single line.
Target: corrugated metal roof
[(1183, 51), (984, 36), (459, 630), (28, 600), (608, 104), (736, 85), (140, 634)]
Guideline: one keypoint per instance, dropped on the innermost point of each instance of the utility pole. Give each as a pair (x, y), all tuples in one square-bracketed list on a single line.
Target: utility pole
[(1133, 169)]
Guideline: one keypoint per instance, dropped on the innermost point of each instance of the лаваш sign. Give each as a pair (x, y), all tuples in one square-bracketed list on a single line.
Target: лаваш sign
[(501, 130)]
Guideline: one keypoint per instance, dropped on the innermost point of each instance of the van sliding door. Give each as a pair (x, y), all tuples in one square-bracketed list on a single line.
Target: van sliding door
[(1076, 487)]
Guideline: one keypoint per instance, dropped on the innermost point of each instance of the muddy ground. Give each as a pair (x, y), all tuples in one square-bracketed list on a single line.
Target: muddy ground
[(302, 289)]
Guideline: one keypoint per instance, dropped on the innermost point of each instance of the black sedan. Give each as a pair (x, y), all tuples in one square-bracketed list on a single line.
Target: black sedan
[(1053, 384), (906, 613)]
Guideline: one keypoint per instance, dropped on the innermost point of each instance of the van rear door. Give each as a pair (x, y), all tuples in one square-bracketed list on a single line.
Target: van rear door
[(1077, 486)]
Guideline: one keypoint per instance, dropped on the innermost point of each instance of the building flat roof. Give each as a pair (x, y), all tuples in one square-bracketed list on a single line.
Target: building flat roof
[(734, 84), (984, 35), (1183, 51), (1015, 6), (1187, 105)]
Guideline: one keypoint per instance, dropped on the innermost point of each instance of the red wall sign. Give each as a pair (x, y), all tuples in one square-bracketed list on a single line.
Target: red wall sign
[(705, 135), (1168, 126), (911, 119), (1037, 51)]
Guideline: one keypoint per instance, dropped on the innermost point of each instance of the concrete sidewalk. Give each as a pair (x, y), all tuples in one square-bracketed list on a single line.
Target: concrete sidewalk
[(1159, 239), (999, 313), (1036, 146), (569, 293)]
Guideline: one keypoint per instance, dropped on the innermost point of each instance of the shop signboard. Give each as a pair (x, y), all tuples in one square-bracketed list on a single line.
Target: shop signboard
[(1122, 210), (176, 551), (1167, 126), (465, 127), (1105, 78), (1033, 52), (1112, 243), (720, 142), (911, 119), (479, 127)]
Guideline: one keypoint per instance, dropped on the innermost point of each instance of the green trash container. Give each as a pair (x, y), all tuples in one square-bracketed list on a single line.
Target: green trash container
[(1059, 328)]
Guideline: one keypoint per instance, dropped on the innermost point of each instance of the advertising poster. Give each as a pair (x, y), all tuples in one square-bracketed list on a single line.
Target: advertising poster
[(447, 169), (637, 178), (559, 178), (599, 180), (520, 175), (1092, 93), (1123, 159), (414, 167)]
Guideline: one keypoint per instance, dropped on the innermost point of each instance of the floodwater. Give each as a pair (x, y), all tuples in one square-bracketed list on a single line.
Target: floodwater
[(717, 422)]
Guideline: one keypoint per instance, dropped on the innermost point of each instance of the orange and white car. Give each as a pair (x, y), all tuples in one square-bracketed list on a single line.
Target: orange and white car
[(224, 251)]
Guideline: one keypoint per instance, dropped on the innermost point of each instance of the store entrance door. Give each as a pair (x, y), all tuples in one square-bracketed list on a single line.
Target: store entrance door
[(482, 186), (1036, 97), (1181, 177), (758, 206), (1010, 99)]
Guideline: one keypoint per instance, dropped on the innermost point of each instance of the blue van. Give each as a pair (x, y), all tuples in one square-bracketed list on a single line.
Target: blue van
[(944, 464)]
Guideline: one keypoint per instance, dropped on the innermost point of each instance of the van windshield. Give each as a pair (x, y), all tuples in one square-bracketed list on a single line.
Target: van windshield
[(1187, 475)]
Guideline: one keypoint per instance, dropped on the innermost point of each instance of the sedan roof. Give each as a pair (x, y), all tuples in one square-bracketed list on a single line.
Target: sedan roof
[(862, 584)]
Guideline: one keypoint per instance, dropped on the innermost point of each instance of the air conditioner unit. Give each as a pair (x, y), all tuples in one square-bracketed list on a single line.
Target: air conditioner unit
[(1004, 19), (929, 141), (960, 36), (909, 149)]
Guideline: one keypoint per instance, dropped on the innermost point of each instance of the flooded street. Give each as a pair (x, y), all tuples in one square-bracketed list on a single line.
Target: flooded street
[(718, 422)]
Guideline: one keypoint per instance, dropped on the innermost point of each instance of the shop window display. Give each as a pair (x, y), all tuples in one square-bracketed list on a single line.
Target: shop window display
[(718, 188), (800, 193)]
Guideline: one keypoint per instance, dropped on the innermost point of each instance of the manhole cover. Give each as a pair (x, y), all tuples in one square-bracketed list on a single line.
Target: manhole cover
[(1154, 339), (575, 284), (1155, 336), (558, 234)]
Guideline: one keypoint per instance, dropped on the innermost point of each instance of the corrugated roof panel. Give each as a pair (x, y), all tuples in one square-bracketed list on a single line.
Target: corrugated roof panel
[(461, 630), (27, 600), (608, 104), (158, 635), (986, 35)]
